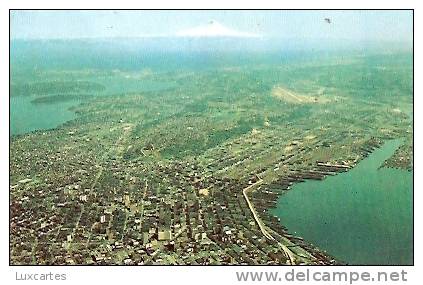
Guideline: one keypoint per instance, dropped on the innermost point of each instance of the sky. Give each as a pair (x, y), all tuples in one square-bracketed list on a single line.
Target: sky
[(350, 25)]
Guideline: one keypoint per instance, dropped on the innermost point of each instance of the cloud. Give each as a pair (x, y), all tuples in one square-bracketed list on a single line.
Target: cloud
[(214, 29)]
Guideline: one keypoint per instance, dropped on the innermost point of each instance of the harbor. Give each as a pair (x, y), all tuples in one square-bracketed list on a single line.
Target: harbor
[(363, 216)]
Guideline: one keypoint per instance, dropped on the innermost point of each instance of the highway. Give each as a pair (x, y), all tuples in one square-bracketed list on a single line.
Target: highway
[(262, 226)]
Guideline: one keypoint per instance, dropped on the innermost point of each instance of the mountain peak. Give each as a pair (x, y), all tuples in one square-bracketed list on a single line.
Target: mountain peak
[(214, 29)]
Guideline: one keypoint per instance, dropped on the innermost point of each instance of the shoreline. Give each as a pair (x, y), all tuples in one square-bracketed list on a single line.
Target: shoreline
[(275, 192)]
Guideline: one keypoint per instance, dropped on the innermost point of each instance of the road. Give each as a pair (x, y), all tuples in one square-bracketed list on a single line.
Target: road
[(261, 225)]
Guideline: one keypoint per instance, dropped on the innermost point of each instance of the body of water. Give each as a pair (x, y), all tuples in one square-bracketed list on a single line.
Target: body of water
[(360, 217), (26, 116)]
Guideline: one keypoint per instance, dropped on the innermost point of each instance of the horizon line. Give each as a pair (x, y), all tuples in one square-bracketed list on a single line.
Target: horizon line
[(267, 37)]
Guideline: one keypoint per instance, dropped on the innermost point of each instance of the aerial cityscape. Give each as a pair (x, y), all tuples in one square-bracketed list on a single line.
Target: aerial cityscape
[(217, 146)]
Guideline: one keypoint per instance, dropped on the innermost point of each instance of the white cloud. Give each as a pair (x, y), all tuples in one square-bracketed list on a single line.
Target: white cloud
[(214, 29)]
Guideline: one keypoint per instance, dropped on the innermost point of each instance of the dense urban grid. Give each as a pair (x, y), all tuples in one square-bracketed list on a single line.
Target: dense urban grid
[(188, 173)]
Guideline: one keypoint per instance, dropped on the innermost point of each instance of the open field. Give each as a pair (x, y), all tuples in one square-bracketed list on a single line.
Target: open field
[(289, 96)]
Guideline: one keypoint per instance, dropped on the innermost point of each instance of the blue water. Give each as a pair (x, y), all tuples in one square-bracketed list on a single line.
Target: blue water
[(361, 217), (26, 117)]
